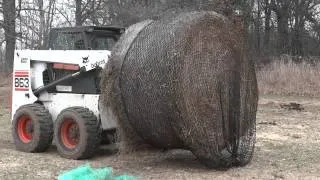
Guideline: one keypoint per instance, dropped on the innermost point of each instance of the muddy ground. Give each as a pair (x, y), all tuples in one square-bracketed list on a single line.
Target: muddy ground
[(288, 147)]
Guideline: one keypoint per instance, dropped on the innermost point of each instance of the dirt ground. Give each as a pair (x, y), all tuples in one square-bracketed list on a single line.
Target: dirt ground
[(288, 147)]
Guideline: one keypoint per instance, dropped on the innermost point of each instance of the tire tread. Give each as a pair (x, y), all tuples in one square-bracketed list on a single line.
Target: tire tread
[(44, 119), (92, 129)]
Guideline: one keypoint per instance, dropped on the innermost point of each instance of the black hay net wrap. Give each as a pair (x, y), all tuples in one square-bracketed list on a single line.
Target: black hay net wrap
[(185, 82)]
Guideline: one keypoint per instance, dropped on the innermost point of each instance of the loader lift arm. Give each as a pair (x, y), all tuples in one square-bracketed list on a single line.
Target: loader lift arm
[(54, 83)]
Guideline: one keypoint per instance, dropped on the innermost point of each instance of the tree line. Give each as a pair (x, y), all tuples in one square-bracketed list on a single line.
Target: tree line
[(275, 27)]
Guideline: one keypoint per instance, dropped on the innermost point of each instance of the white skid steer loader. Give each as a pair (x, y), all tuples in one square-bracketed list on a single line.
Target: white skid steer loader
[(55, 93)]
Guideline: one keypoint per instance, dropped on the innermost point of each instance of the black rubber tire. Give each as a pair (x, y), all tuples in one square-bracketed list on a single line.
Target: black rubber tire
[(42, 124), (89, 139)]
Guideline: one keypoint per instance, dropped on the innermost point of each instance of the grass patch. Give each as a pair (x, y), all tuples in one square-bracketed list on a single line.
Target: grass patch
[(289, 78)]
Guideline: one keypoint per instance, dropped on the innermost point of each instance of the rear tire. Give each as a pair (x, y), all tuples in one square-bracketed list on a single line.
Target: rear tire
[(32, 128), (76, 133)]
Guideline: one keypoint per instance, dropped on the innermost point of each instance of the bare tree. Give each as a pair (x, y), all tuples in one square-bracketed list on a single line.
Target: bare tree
[(78, 14), (275, 27), (127, 12), (42, 23), (282, 9), (9, 16), (85, 10), (267, 27), (34, 23), (302, 13)]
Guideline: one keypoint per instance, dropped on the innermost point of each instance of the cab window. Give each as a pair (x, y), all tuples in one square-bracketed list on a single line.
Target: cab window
[(103, 42)]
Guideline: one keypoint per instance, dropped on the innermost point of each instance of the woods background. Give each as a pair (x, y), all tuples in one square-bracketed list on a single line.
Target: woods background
[(277, 28)]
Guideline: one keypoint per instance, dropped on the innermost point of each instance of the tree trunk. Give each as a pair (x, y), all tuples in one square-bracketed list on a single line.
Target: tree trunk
[(78, 15), (267, 27), (9, 16), (283, 33), (283, 13), (48, 22), (257, 29), (299, 26), (42, 25)]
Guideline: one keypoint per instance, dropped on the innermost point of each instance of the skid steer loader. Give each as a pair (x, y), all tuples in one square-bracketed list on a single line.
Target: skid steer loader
[(55, 92)]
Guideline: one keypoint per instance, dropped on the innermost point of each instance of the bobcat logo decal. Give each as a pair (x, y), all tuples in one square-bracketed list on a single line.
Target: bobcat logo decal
[(85, 59)]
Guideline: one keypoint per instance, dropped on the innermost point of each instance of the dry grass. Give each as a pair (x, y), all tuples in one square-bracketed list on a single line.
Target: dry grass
[(288, 78)]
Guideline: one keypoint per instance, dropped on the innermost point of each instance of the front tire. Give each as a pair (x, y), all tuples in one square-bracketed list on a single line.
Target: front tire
[(32, 128), (76, 133)]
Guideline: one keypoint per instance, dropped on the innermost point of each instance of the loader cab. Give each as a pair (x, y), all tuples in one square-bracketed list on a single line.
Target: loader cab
[(84, 38), (79, 38)]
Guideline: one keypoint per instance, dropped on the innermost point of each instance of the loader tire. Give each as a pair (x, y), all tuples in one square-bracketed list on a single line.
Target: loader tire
[(76, 133), (32, 128)]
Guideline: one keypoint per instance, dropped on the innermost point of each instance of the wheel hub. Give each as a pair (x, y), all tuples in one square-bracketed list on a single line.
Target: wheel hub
[(25, 129), (29, 127), (70, 134)]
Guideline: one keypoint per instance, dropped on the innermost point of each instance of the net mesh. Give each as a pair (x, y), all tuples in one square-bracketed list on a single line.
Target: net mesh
[(185, 82), (88, 173)]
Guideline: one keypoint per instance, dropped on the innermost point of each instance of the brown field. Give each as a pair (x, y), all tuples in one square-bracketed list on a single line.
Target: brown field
[(288, 147), (284, 77)]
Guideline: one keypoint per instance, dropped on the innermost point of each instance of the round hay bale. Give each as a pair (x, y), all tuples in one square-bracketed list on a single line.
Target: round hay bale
[(185, 82)]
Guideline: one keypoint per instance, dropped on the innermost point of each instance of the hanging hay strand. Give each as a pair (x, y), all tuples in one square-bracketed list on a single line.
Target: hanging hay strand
[(184, 82)]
